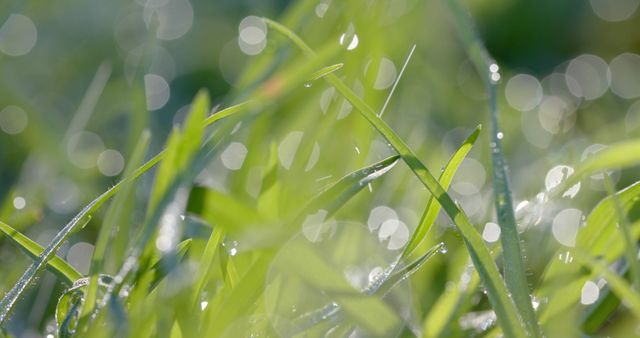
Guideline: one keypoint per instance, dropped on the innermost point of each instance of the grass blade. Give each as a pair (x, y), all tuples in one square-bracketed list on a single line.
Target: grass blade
[(397, 80), (334, 197), (514, 273), (599, 237), (505, 309), (617, 283), (57, 265), (325, 71), (617, 156), (106, 230), (10, 299), (630, 247), (433, 208), (405, 272)]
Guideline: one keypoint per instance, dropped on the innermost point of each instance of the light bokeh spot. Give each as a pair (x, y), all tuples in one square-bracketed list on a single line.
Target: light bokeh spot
[(156, 90), (565, 226), (19, 202), (110, 162), (79, 256), (590, 293), (625, 75), (233, 156), (588, 76), (13, 120), (491, 232), (252, 37), (523, 92), (614, 10), (18, 35), (83, 149)]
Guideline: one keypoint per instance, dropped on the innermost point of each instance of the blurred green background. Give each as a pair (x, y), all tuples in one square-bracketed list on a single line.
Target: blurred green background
[(79, 80)]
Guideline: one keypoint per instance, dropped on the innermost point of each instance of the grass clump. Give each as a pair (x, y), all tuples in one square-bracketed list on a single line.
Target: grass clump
[(285, 210)]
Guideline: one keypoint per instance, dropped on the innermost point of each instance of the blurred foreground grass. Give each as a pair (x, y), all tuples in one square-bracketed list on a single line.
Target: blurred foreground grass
[(274, 209)]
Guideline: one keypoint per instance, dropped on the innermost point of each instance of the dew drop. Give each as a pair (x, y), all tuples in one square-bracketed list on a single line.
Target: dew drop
[(443, 248)]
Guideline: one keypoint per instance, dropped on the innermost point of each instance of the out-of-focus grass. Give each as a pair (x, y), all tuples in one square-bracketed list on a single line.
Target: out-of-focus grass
[(279, 211)]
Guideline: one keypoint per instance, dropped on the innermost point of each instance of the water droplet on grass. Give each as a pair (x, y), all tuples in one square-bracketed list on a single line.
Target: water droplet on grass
[(559, 174), (443, 248)]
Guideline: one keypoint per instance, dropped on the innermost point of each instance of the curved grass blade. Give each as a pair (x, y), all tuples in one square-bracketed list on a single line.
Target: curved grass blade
[(398, 275), (450, 303), (433, 207), (10, 299), (617, 156), (380, 286), (57, 265), (334, 197), (325, 71), (616, 283), (506, 311), (630, 246), (162, 266), (106, 230), (599, 237), (596, 315), (514, 272)]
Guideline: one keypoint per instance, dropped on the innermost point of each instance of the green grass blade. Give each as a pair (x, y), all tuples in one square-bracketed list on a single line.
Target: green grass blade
[(160, 266), (243, 296), (106, 230), (405, 272), (514, 272), (310, 266), (599, 313), (397, 80), (206, 265), (451, 301), (57, 265), (617, 156), (325, 71), (10, 299), (223, 210), (599, 237), (616, 283), (630, 246), (335, 196), (433, 207), (504, 307)]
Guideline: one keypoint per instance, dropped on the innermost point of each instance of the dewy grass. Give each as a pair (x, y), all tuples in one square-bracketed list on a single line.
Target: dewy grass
[(630, 249), (59, 266), (514, 272), (497, 292), (274, 88), (192, 257), (10, 299)]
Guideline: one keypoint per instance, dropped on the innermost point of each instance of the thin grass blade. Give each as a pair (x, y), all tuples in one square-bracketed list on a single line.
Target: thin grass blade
[(499, 297), (616, 156), (617, 283), (318, 74), (57, 265), (514, 272), (10, 299), (106, 230), (433, 207), (335, 196), (630, 246)]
